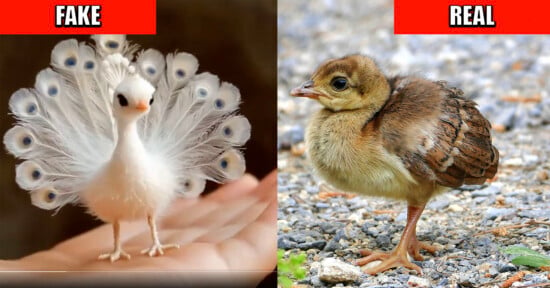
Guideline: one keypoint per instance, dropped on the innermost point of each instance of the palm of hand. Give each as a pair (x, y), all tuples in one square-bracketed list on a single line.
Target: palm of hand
[(230, 230)]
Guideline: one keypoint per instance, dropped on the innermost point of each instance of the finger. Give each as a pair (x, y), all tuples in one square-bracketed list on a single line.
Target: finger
[(181, 214), (268, 186), (238, 214), (255, 246), (234, 189), (225, 220)]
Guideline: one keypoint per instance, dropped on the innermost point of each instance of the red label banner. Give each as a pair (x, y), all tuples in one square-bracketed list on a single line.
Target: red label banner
[(78, 17), (471, 17)]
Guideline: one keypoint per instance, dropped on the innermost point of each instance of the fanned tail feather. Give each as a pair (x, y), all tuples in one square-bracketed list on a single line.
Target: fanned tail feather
[(65, 126), (65, 129), (194, 125)]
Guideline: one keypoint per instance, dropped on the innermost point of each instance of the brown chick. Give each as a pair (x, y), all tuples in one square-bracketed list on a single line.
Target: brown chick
[(400, 137)]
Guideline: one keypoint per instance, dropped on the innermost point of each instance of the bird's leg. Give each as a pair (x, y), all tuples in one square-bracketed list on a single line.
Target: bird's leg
[(117, 252), (414, 245), (407, 244), (157, 248)]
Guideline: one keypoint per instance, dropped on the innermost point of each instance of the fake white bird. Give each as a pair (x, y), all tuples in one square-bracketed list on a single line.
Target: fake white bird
[(124, 138)]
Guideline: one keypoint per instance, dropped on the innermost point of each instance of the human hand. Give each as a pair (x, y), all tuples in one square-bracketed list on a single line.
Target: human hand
[(228, 235)]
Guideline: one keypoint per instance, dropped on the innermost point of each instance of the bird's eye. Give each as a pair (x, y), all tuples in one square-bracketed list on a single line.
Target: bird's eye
[(339, 83), (151, 101), (122, 100)]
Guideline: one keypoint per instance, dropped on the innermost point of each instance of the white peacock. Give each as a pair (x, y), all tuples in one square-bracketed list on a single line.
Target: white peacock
[(124, 138)]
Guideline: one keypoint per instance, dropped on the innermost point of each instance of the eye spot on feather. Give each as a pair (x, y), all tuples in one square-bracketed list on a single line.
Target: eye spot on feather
[(219, 103), (52, 91), (70, 61), (26, 141), (227, 131), (202, 92), (224, 163), (112, 44), (180, 73), (36, 174), (89, 65), (31, 109), (50, 196), (187, 185), (151, 70)]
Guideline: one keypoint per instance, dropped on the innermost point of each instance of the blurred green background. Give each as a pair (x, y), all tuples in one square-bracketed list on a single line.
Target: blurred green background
[(234, 39)]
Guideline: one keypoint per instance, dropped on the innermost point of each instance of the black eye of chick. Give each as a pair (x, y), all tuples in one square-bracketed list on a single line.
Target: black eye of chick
[(339, 83), (122, 100), (151, 101)]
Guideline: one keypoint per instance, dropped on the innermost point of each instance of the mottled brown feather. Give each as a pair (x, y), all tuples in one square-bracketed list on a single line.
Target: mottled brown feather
[(461, 151)]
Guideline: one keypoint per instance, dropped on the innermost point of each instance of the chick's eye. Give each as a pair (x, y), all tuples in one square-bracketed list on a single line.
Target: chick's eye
[(122, 100), (339, 83), (151, 101)]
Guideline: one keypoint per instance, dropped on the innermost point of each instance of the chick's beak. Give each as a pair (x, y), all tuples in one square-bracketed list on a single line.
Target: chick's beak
[(142, 106), (306, 90)]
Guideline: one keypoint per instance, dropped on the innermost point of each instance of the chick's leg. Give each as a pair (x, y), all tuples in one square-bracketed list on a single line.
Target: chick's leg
[(407, 244), (157, 248), (415, 245), (117, 252)]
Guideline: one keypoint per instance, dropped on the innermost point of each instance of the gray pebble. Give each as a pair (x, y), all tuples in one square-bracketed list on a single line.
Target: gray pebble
[(507, 267), (332, 245), (437, 205), (284, 243), (488, 191), (331, 227), (312, 189), (333, 270), (322, 205), (492, 213), (372, 231), (341, 234), (319, 244), (383, 241), (535, 213), (290, 137), (403, 215), (383, 217), (316, 282)]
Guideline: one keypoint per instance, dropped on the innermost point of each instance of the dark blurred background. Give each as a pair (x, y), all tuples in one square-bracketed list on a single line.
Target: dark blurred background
[(234, 39)]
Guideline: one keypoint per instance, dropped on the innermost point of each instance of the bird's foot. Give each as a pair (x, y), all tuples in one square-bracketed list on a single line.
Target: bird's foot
[(158, 249), (415, 246), (115, 255), (389, 260)]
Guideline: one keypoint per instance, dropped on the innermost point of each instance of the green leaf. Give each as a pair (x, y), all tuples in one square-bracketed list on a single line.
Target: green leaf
[(531, 261), (284, 268), (521, 251), (280, 254), (527, 257), (290, 268), (285, 282), (300, 273), (297, 259)]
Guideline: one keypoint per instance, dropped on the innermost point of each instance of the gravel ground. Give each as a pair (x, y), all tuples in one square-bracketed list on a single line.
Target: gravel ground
[(506, 75)]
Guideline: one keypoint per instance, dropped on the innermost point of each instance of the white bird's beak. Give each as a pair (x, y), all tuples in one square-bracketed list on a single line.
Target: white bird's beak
[(142, 106)]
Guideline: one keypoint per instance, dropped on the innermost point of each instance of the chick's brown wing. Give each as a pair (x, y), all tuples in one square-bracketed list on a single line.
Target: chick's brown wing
[(458, 150)]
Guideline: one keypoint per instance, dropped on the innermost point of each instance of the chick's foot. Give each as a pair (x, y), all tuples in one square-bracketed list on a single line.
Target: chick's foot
[(415, 246), (389, 260)]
